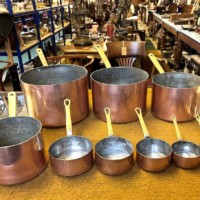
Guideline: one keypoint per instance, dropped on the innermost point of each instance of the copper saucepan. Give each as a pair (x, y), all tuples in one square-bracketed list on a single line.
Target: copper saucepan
[(175, 93), (22, 154), (152, 154), (45, 89), (71, 155), (185, 154), (121, 89), (113, 155)]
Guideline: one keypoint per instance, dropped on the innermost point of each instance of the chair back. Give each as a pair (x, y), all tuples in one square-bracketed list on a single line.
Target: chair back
[(125, 53)]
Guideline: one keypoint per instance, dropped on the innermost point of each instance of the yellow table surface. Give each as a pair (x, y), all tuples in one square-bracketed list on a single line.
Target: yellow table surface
[(173, 183)]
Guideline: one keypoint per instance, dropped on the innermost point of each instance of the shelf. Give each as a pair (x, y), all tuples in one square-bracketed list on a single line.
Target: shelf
[(22, 13), (29, 45), (66, 24), (56, 6), (57, 30), (46, 36), (43, 8)]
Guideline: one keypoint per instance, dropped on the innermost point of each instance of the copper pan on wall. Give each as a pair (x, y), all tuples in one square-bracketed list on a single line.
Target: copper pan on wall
[(175, 93)]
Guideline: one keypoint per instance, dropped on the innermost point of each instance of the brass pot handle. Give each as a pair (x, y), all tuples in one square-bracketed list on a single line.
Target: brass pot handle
[(12, 107), (197, 118), (67, 104), (178, 133), (109, 124), (42, 57), (156, 63), (142, 123), (103, 56)]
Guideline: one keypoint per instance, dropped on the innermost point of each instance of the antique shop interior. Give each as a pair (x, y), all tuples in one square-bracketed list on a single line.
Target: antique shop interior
[(100, 99)]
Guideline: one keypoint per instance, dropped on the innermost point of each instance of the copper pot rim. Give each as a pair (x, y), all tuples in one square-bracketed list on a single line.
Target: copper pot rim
[(132, 150), (174, 88), (27, 140), (188, 158), (56, 84), (139, 152), (121, 85), (71, 160)]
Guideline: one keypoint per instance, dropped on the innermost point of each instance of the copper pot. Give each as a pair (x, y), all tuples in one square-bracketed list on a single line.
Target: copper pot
[(185, 154), (22, 155), (152, 154), (71, 155), (121, 89), (113, 155), (175, 93), (45, 89)]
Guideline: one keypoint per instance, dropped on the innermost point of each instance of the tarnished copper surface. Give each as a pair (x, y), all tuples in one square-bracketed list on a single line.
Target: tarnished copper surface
[(153, 164), (22, 155), (71, 167), (45, 101), (122, 96), (175, 97), (114, 167)]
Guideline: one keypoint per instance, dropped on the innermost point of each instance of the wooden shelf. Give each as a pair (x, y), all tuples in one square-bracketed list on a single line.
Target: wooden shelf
[(46, 36), (29, 45), (57, 30), (66, 24)]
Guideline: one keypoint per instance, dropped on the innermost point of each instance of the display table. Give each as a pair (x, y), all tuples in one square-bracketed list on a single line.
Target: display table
[(173, 183)]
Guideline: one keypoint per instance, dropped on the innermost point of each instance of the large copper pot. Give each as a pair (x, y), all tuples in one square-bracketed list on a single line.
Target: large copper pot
[(175, 93), (122, 89), (22, 154), (45, 89)]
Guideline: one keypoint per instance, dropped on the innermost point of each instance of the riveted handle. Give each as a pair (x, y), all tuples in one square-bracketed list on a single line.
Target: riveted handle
[(42, 57), (156, 63), (103, 56), (67, 104), (142, 123), (178, 133), (109, 124), (12, 104)]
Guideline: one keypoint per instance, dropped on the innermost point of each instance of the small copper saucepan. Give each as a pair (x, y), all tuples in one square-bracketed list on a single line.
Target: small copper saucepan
[(152, 154), (185, 154), (22, 154), (71, 155), (113, 155)]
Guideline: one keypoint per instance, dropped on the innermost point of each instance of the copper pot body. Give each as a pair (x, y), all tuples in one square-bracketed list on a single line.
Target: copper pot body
[(153, 165), (114, 155), (22, 152), (114, 167), (186, 154), (175, 94), (71, 156), (45, 89), (120, 89)]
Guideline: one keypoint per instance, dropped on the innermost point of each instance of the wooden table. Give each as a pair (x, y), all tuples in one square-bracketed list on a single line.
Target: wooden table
[(190, 38), (157, 20), (85, 50)]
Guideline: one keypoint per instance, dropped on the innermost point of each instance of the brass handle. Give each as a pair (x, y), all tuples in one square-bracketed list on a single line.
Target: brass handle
[(197, 118), (42, 57), (156, 63), (67, 104), (12, 104), (178, 133), (109, 124), (142, 123), (103, 56)]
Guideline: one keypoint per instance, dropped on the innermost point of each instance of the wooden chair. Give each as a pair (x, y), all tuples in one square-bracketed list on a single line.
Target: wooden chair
[(125, 53), (76, 59)]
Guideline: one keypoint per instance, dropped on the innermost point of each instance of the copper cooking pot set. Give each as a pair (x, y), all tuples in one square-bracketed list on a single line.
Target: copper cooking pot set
[(119, 96)]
